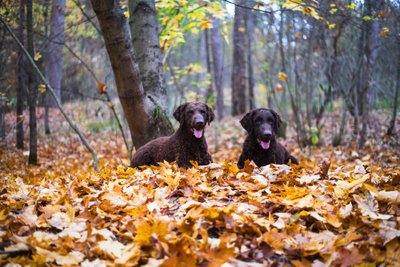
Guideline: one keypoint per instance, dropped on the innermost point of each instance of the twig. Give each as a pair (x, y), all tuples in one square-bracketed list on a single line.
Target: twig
[(50, 88)]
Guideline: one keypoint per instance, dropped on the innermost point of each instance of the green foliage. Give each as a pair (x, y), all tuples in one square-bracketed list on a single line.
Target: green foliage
[(314, 136), (101, 125), (178, 17)]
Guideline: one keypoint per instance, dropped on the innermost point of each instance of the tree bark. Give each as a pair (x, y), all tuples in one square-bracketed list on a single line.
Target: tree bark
[(239, 62), (210, 66), (146, 119), (370, 52), (32, 89), (250, 37), (146, 43), (218, 62), (54, 59), (22, 80), (392, 123)]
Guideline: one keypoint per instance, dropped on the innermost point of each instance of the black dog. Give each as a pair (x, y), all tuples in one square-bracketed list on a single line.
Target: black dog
[(260, 144), (185, 145)]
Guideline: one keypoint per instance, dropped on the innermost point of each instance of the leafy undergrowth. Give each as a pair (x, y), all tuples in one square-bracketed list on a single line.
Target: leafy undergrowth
[(339, 207)]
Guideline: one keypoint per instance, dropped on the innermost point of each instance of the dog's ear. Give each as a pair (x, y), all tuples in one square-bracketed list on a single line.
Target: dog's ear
[(179, 112), (278, 121), (247, 121), (210, 115)]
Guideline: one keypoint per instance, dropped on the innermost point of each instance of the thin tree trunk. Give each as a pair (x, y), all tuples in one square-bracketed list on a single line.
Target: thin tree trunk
[(308, 84), (146, 43), (33, 157), (22, 79), (210, 71), (54, 59), (218, 62), (146, 119), (250, 37), (392, 123), (239, 62), (370, 51), (337, 139)]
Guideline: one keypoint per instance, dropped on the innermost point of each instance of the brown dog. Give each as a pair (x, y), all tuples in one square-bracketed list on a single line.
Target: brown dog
[(186, 144), (260, 144)]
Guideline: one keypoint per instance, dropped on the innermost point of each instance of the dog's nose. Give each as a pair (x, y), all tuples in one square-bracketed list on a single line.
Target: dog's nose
[(199, 123), (267, 135)]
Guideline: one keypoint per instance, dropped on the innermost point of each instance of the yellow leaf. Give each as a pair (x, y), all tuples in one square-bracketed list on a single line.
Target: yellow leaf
[(3, 215), (242, 29), (102, 87), (145, 229), (126, 14), (37, 56), (384, 32), (206, 25), (293, 4), (310, 11), (282, 76), (331, 25), (351, 6), (42, 88)]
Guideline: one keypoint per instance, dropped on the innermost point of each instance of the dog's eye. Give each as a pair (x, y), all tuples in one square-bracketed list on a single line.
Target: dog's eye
[(190, 112), (202, 111), (258, 121), (270, 120)]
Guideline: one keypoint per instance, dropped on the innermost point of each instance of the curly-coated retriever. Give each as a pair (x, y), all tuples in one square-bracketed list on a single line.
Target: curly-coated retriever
[(186, 144), (260, 145)]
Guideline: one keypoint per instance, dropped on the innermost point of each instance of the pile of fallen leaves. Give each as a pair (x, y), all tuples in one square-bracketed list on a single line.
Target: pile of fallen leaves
[(338, 207)]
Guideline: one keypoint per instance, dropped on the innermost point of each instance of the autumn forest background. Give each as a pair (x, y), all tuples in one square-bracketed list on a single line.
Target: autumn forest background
[(84, 83)]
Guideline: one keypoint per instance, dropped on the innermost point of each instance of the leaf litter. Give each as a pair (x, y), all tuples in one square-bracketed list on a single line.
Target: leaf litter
[(338, 207)]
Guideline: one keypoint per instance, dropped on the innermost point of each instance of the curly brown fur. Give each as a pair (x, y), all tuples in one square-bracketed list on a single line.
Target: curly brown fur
[(260, 145), (186, 144)]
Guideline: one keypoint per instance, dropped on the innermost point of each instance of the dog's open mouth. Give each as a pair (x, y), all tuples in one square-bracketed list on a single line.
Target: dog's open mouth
[(197, 133), (264, 144)]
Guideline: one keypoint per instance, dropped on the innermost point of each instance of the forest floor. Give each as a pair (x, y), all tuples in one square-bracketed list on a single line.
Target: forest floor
[(339, 207)]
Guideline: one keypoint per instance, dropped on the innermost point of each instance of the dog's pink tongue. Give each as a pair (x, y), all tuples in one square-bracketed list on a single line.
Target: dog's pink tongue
[(265, 145), (198, 133)]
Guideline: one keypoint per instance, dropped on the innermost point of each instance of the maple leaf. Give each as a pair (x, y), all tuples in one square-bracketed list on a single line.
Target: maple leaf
[(42, 88), (350, 258), (37, 56), (342, 188), (388, 231), (389, 196), (72, 258), (146, 229), (282, 76), (368, 207)]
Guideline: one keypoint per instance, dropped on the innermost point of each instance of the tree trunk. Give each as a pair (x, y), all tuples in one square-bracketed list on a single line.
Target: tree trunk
[(22, 79), (210, 71), (146, 43), (250, 37), (32, 89), (54, 59), (146, 119), (396, 97), (218, 62), (370, 52), (239, 62)]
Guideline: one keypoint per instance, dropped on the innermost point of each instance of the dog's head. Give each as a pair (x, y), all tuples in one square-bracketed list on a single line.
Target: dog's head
[(194, 115), (262, 123)]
